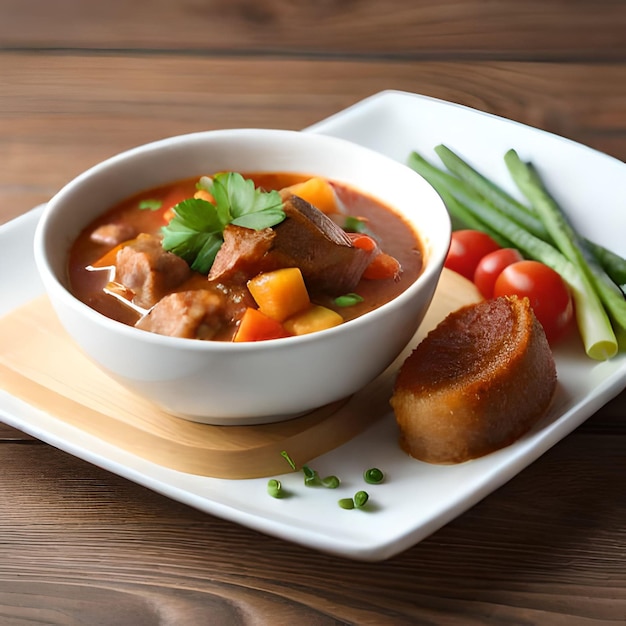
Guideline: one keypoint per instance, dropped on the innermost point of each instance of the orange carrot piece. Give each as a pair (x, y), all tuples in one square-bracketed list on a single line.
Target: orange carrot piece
[(363, 242), (382, 266), (318, 192), (312, 319), (108, 258), (203, 194), (280, 293), (256, 326)]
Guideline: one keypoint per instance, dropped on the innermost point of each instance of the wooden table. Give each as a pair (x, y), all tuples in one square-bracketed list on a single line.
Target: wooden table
[(80, 81)]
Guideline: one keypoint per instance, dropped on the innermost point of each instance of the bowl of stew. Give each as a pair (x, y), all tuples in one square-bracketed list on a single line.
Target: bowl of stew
[(243, 276)]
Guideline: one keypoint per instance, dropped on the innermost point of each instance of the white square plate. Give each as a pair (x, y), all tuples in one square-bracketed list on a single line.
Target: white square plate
[(416, 499)]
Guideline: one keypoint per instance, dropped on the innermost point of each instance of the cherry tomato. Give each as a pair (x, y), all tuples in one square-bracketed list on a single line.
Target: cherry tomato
[(549, 296), (490, 267), (467, 248)]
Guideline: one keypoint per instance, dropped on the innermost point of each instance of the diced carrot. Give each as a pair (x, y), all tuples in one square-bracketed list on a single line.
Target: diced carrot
[(203, 194), (382, 266), (318, 192), (174, 197), (256, 326), (363, 242), (280, 293), (108, 258), (312, 319)]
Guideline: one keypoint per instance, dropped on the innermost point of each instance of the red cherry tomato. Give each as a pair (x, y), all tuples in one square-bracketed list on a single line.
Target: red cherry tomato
[(549, 296), (467, 248), (490, 267)]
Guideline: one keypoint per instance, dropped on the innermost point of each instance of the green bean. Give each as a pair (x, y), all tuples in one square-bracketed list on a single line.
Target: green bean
[(594, 324), (456, 197), (613, 264), (492, 193), (566, 238)]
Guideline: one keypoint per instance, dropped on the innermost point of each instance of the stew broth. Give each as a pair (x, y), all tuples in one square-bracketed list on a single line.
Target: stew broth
[(394, 236)]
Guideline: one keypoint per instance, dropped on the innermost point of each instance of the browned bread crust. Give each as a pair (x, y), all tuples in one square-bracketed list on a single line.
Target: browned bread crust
[(481, 379)]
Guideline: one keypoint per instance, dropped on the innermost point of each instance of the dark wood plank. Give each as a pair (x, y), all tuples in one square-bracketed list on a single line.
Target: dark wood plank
[(9, 434), (90, 107), (82, 542), (537, 29)]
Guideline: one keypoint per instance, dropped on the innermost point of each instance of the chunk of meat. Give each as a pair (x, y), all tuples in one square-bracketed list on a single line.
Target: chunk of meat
[(195, 314), (241, 254), (307, 239), (322, 250), (113, 234), (148, 270)]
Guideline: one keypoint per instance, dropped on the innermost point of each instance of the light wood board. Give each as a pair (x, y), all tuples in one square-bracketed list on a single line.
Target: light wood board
[(40, 365)]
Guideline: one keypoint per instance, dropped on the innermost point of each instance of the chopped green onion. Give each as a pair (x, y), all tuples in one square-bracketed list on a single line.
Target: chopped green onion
[(274, 488), (150, 205), (331, 482), (356, 225), (311, 477), (348, 299), (287, 458), (360, 499), (373, 476)]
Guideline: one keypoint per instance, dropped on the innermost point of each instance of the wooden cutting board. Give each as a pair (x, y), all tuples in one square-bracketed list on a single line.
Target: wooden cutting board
[(40, 365)]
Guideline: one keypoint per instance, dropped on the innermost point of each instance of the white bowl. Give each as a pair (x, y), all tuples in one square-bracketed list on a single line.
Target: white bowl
[(242, 383)]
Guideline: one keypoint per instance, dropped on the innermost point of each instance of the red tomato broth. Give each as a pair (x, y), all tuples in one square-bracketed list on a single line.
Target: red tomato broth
[(394, 236)]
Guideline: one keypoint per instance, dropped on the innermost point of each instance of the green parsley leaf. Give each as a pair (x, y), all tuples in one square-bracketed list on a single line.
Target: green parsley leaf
[(232, 190), (195, 233), (260, 220)]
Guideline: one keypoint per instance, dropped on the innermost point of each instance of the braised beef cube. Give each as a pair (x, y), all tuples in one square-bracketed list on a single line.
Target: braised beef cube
[(113, 234), (236, 298), (310, 240), (196, 314), (241, 254), (148, 270)]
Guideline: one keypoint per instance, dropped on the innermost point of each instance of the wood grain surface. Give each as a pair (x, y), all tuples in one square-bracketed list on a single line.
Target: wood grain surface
[(82, 80)]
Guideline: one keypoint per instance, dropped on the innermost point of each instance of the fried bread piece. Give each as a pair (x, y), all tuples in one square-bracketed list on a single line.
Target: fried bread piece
[(476, 383)]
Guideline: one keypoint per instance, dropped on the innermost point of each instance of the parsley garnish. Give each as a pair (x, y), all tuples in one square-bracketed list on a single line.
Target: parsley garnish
[(195, 233)]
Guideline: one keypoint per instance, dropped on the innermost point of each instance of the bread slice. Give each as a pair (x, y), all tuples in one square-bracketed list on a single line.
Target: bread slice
[(477, 382)]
